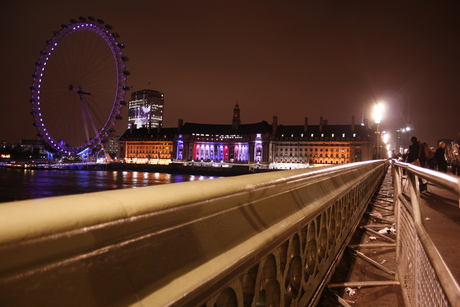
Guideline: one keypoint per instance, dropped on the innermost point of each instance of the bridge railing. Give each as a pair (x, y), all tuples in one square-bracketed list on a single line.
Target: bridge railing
[(269, 239), (425, 278)]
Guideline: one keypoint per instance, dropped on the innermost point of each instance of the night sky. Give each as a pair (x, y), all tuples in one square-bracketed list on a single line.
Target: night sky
[(287, 58)]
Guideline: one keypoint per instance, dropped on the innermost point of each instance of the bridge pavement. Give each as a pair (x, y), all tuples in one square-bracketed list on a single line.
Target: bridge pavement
[(370, 257), (441, 218)]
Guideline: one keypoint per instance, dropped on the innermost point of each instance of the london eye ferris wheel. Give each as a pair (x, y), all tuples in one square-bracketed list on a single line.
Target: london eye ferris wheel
[(79, 85)]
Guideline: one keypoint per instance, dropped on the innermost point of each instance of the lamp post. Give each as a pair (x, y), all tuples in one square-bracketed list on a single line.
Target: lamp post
[(386, 141), (378, 111)]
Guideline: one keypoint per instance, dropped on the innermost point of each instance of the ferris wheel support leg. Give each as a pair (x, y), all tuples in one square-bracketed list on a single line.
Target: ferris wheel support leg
[(83, 114)]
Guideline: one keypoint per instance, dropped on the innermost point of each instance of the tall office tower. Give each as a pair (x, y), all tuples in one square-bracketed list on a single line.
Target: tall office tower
[(145, 109)]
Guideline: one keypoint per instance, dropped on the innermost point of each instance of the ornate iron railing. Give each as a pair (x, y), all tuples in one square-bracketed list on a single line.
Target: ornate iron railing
[(425, 278), (269, 239)]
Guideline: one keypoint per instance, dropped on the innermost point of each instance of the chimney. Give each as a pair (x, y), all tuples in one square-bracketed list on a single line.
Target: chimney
[(353, 123), (366, 122), (180, 123), (321, 124), (305, 125)]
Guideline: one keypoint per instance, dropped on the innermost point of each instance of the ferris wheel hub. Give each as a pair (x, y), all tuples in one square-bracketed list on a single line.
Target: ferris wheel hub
[(79, 90)]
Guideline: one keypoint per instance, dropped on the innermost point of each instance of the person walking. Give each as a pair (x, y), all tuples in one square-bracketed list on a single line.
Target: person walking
[(429, 156), (440, 156), (416, 156), (415, 153)]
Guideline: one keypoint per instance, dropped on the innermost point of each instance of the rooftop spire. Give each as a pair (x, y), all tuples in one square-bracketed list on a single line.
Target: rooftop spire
[(236, 121)]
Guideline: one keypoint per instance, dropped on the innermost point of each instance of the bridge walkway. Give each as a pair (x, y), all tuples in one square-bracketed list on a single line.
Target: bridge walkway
[(366, 273)]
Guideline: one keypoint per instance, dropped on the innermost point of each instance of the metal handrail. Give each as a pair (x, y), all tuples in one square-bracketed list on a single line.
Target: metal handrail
[(443, 289)]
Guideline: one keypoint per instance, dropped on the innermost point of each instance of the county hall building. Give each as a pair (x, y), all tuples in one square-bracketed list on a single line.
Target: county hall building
[(258, 145)]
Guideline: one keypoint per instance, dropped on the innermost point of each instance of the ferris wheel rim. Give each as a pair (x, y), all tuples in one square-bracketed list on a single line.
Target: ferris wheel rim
[(95, 26)]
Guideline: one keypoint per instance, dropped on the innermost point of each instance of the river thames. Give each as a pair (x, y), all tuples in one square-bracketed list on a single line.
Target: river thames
[(20, 184)]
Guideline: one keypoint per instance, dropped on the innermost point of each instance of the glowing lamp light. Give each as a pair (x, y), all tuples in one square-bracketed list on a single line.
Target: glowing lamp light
[(378, 112)]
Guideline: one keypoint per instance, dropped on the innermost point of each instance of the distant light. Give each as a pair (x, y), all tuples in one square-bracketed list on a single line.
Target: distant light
[(386, 138)]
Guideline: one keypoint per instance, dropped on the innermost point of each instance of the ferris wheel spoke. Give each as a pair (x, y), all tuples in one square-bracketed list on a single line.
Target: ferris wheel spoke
[(87, 110)]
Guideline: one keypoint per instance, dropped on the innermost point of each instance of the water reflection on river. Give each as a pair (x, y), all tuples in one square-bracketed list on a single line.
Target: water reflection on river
[(19, 184)]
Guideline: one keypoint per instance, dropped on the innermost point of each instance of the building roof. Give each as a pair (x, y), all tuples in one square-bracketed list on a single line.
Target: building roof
[(262, 127), (32, 142), (361, 132), (145, 134)]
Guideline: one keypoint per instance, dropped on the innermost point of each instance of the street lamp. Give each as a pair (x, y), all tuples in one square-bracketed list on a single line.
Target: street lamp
[(378, 113)]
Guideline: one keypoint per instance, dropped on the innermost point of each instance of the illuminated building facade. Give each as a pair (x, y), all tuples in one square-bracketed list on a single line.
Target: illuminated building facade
[(220, 143), (294, 146), (235, 143), (142, 146), (145, 109)]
